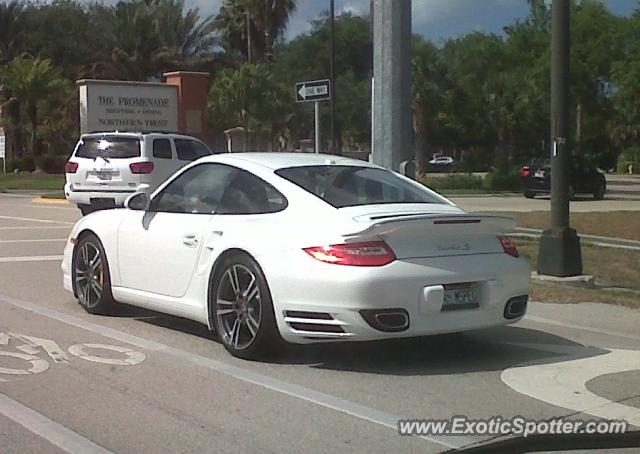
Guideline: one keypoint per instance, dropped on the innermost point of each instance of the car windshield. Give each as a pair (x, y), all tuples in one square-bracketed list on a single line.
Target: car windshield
[(343, 186), (108, 147)]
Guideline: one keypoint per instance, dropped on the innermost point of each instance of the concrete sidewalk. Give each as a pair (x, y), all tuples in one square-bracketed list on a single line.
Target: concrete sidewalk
[(595, 240)]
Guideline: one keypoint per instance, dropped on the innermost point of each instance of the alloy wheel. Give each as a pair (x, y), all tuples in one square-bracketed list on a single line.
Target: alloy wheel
[(239, 307), (89, 275)]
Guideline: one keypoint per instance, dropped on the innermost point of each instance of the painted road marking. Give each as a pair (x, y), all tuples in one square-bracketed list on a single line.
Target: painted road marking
[(34, 346), (563, 383), (133, 357), (49, 201), (32, 258), (339, 404), (55, 433), (46, 221), (41, 240), (49, 227), (38, 365)]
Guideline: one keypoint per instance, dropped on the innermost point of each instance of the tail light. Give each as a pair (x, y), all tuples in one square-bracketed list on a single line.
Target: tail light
[(141, 167), (71, 167), (524, 172), (371, 253), (508, 246)]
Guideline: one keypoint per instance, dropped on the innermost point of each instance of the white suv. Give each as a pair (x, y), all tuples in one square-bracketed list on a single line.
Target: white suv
[(106, 168)]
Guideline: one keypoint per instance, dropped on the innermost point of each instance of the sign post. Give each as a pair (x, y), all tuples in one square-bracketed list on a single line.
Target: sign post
[(316, 91), (3, 151)]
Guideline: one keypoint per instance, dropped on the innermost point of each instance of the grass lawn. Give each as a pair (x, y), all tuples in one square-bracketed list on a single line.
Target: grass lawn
[(35, 181), (609, 266), (621, 224)]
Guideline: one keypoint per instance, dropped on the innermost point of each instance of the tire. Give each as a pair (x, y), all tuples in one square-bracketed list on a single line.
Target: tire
[(598, 194), (85, 209), (529, 194), (93, 289), (242, 309), (571, 192)]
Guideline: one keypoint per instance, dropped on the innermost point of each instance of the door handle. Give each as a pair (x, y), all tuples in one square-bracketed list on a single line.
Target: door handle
[(190, 240)]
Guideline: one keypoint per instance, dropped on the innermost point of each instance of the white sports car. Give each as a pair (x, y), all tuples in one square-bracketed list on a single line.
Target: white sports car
[(266, 247)]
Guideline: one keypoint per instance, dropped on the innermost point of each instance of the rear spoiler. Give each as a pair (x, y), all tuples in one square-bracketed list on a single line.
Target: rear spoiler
[(381, 225)]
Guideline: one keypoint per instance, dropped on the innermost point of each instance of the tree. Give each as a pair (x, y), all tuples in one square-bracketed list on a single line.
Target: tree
[(33, 82), (12, 30), (147, 38), (247, 96), (260, 22)]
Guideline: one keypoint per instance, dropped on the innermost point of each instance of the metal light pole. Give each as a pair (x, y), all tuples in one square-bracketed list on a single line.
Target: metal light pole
[(392, 125), (332, 72), (560, 253)]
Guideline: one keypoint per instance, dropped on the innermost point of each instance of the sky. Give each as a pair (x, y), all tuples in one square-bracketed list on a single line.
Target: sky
[(436, 20)]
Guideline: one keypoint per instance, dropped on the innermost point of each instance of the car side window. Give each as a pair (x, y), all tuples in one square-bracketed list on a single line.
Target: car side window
[(190, 150), (162, 148), (198, 190), (248, 194)]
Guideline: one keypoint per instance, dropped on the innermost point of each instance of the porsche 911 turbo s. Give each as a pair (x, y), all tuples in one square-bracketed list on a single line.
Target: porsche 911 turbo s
[(272, 247)]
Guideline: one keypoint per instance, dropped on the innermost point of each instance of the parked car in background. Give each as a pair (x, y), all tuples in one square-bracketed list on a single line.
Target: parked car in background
[(441, 164), (584, 178), (106, 168)]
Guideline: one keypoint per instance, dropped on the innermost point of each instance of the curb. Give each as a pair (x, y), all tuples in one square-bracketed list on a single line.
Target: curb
[(50, 201)]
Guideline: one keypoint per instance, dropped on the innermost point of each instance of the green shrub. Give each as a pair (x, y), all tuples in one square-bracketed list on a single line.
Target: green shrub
[(51, 164), (623, 166), (27, 164), (454, 181), (503, 181), (13, 165)]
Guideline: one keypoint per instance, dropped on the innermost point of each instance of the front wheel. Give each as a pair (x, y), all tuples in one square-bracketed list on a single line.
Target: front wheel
[(529, 194), (242, 309), (91, 276), (598, 194)]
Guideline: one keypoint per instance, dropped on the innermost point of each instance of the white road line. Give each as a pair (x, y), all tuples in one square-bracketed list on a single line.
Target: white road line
[(41, 240), (55, 433), (46, 221), (339, 404), (57, 227), (590, 329), (564, 383), (32, 258)]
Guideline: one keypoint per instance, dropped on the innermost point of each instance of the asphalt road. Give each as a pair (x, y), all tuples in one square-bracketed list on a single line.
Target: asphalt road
[(143, 382)]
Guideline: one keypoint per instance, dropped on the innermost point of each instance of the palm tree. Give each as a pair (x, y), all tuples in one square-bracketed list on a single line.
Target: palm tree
[(260, 22), (12, 29), (31, 83), (148, 37)]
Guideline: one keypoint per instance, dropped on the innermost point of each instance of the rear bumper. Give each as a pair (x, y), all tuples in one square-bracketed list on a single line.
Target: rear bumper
[(84, 196), (318, 302)]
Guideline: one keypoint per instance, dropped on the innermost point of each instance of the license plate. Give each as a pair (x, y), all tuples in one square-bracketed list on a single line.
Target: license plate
[(104, 175), (467, 297), (539, 174)]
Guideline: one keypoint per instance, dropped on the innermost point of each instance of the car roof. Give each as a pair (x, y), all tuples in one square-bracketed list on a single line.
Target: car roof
[(281, 160), (138, 135)]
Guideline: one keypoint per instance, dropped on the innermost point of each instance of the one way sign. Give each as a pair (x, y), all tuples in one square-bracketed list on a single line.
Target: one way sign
[(315, 90)]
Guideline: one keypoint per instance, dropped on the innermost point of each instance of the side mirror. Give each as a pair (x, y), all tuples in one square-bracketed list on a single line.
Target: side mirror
[(139, 201)]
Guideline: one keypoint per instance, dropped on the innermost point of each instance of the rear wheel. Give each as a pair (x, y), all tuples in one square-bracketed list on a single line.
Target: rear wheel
[(598, 194), (91, 276), (571, 192), (529, 194), (242, 309)]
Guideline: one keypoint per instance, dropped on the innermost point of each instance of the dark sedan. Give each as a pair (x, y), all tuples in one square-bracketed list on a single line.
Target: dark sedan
[(584, 178)]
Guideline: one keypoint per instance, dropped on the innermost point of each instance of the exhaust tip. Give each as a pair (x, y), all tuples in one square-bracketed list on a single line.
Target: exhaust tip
[(386, 320), (516, 307)]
